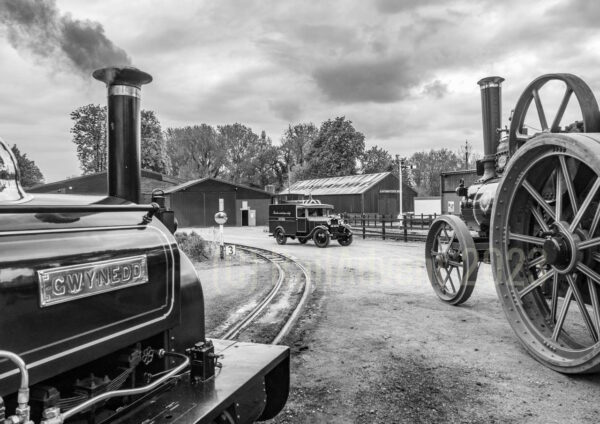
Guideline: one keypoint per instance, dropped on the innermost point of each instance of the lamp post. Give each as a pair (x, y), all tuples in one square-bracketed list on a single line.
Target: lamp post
[(402, 165)]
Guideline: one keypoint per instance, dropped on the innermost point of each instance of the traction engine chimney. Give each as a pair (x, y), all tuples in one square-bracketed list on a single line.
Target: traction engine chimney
[(491, 109), (124, 129)]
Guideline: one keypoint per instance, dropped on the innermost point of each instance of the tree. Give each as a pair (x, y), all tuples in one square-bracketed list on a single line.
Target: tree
[(429, 166), (195, 152), (336, 150), (240, 145), (268, 166), (467, 156), (376, 160), (154, 145), (89, 134), (30, 173), (297, 141)]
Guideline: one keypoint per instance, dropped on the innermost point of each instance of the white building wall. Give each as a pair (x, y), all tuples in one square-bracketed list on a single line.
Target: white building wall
[(428, 205)]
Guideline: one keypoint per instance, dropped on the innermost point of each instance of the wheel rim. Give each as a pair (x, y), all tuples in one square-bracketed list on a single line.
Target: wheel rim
[(546, 267), (574, 86), (320, 237), (451, 260)]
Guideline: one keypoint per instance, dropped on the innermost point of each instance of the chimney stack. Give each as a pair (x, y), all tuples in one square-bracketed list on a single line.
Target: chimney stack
[(491, 109), (124, 129)]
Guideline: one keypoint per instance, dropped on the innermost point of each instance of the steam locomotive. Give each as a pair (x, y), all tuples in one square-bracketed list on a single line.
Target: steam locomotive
[(101, 314), (533, 214)]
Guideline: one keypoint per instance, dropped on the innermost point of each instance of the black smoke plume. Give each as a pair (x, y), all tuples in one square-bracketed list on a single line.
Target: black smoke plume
[(39, 27)]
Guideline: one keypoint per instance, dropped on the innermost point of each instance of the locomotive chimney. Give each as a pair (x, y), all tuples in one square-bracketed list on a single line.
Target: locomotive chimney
[(124, 129), (491, 109)]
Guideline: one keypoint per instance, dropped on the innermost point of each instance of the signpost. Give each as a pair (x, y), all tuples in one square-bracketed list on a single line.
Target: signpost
[(221, 218)]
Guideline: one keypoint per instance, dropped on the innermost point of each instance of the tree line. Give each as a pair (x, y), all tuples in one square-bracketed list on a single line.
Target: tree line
[(236, 153)]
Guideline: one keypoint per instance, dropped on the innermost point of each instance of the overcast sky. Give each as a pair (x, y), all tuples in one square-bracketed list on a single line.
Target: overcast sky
[(404, 72)]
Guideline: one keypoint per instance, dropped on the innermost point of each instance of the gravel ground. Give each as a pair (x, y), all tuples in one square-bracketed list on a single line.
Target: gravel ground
[(375, 345)]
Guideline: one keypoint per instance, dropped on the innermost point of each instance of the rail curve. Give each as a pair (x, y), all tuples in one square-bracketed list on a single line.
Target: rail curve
[(275, 258)]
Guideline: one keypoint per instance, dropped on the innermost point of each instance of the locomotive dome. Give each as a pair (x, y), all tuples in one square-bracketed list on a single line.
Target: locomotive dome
[(11, 190)]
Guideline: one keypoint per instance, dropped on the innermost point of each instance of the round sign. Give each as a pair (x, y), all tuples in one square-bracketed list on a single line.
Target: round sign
[(220, 218)]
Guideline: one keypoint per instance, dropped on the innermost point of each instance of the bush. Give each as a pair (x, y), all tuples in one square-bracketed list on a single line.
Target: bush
[(193, 245)]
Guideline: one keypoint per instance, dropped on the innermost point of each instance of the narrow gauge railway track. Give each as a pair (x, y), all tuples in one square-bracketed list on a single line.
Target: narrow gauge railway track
[(292, 278)]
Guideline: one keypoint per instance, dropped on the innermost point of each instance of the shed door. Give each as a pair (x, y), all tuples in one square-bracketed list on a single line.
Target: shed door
[(389, 204)]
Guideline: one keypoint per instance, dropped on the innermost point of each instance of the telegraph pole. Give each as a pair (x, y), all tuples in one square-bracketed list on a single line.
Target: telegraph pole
[(467, 151)]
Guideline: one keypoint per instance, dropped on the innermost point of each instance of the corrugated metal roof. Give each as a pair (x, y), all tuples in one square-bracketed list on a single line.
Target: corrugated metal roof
[(351, 184)]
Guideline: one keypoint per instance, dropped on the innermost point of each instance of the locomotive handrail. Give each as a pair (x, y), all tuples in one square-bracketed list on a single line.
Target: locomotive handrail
[(152, 208)]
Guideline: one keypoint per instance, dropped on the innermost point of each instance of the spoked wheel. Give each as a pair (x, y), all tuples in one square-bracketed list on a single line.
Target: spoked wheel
[(545, 249), (280, 237), (589, 116), (321, 237), (451, 259)]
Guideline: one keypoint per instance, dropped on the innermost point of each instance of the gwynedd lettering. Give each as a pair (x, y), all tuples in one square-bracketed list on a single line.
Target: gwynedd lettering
[(63, 284)]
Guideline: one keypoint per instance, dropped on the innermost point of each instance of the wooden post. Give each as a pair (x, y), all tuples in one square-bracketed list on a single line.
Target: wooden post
[(363, 226), (405, 230), (422, 221), (383, 228)]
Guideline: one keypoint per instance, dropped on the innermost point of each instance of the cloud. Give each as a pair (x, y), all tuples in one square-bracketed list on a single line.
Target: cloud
[(39, 28), (576, 13), (288, 110), (436, 89), (404, 71), (382, 81), (397, 6)]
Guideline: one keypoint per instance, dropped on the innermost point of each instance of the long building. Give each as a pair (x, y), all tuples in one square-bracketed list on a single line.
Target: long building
[(97, 184), (366, 193), (196, 202)]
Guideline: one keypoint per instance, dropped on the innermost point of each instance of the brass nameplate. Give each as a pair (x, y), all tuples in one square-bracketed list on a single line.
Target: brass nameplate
[(66, 283)]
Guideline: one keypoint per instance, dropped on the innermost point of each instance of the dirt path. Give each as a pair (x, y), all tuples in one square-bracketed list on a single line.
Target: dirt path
[(376, 346)]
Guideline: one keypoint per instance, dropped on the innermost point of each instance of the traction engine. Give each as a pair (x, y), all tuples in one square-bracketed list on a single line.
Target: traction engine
[(533, 215), (101, 314)]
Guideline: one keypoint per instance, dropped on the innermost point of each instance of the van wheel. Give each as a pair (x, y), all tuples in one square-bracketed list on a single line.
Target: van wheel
[(280, 236), (302, 240), (345, 241), (321, 237)]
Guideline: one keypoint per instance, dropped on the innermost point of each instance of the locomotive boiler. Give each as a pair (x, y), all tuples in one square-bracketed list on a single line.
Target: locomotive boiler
[(102, 316), (533, 214)]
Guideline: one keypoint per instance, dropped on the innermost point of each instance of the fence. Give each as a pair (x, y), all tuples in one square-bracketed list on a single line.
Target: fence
[(409, 227)]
